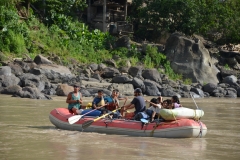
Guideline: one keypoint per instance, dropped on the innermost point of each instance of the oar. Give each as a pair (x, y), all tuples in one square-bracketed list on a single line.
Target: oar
[(193, 100), (76, 118), (88, 123)]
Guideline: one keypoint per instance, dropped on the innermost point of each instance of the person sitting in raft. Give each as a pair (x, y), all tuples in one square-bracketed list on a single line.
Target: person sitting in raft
[(74, 100), (138, 103), (120, 98), (98, 102), (175, 102), (167, 104), (112, 103), (155, 107), (160, 100)]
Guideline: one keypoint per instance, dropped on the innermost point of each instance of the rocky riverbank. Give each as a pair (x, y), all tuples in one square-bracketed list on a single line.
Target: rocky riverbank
[(196, 59)]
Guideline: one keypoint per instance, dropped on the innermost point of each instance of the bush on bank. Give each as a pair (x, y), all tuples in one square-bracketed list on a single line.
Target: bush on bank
[(24, 31)]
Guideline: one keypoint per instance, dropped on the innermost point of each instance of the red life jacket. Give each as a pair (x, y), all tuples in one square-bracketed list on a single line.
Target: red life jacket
[(111, 106)]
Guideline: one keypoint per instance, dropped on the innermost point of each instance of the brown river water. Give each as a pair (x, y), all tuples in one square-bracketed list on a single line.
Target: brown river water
[(26, 133)]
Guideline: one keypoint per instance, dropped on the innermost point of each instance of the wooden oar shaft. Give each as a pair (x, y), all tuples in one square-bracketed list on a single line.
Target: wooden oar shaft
[(88, 123), (106, 114)]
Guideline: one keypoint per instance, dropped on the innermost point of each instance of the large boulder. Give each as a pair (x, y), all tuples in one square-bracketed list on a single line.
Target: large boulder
[(121, 79), (31, 92), (6, 81), (191, 59), (210, 87), (109, 72), (124, 89), (135, 71), (11, 89), (151, 89), (5, 70), (138, 83), (54, 73), (63, 89), (232, 80), (152, 74), (32, 80), (16, 68)]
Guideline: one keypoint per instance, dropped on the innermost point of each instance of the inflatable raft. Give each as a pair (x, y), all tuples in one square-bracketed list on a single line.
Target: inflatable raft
[(183, 128), (181, 113)]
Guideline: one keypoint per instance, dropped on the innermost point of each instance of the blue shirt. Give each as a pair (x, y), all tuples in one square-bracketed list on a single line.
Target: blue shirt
[(96, 100)]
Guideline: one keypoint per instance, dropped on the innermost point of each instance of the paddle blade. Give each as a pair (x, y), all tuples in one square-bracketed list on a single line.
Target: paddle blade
[(74, 119), (87, 124)]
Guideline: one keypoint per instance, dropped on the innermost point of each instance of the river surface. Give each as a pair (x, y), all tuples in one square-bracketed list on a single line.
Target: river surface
[(26, 134)]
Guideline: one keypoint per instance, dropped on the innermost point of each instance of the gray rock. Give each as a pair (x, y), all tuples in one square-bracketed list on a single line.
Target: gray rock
[(121, 79), (210, 87), (85, 93), (29, 92), (110, 72), (231, 92), (7, 80), (152, 74), (101, 66), (5, 70), (166, 92), (96, 76), (138, 83), (16, 69), (151, 89), (219, 92), (11, 89), (39, 59), (190, 59), (94, 66), (230, 80), (32, 80), (186, 88), (197, 91), (238, 92), (135, 71)]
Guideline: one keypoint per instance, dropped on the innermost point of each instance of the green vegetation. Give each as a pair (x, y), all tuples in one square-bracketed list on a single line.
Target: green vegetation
[(53, 28), (64, 37), (227, 67), (215, 19)]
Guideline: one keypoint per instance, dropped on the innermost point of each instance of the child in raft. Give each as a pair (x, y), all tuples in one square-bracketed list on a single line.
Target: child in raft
[(155, 107), (175, 102)]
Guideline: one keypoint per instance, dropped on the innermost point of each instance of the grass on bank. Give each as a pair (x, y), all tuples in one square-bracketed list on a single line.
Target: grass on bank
[(70, 40)]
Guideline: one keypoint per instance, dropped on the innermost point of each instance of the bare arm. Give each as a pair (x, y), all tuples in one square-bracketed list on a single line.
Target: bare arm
[(153, 115), (128, 106), (156, 105), (81, 101), (69, 99)]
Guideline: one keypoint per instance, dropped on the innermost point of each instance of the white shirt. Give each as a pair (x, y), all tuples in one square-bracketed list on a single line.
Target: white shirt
[(156, 109)]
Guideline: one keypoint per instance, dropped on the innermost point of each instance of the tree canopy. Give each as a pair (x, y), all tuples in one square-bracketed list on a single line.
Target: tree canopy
[(219, 17)]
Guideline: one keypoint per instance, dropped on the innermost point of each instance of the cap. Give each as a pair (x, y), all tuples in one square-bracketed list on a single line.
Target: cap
[(138, 90)]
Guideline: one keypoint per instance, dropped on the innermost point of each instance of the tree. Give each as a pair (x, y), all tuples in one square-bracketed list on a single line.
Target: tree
[(188, 16)]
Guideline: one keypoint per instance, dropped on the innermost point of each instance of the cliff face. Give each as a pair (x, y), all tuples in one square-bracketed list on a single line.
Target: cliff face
[(191, 59)]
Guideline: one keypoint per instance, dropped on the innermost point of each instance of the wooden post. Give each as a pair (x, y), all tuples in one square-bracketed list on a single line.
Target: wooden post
[(125, 10), (104, 15), (89, 12)]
